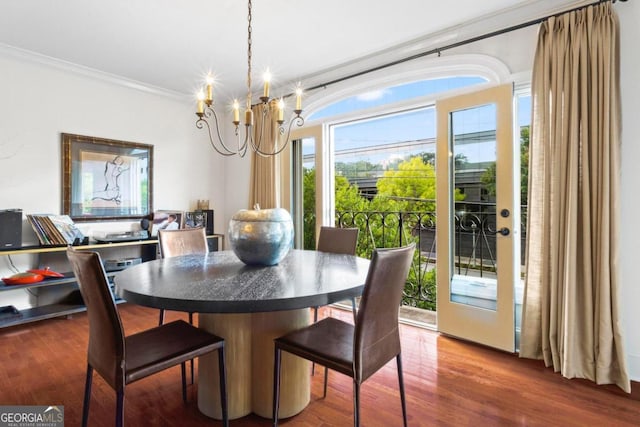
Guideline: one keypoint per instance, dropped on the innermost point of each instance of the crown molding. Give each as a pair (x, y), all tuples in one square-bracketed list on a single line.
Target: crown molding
[(70, 67)]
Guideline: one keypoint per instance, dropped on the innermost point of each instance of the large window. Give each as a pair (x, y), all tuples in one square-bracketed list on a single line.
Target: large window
[(381, 158)]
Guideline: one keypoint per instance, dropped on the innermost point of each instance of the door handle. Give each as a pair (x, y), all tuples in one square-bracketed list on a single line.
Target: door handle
[(503, 231)]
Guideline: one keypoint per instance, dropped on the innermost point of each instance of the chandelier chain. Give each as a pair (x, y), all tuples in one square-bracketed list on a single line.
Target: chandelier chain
[(249, 16)]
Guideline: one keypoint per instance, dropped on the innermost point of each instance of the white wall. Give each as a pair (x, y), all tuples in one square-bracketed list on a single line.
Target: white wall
[(41, 99), (629, 14)]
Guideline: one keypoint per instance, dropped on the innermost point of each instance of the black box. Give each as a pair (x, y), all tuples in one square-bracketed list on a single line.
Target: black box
[(209, 226), (11, 228)]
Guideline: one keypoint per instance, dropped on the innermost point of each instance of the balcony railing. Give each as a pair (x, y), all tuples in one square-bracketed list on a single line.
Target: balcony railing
[(474, 243)]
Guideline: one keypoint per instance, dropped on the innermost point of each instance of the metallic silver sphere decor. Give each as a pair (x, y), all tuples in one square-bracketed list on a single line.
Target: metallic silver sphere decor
[(261, 236)]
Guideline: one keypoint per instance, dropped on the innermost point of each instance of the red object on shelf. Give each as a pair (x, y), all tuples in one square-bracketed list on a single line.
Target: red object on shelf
[(23, 279), (46, 272)]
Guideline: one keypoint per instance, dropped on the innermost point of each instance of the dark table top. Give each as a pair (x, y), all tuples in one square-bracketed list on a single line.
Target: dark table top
[(220, 283)]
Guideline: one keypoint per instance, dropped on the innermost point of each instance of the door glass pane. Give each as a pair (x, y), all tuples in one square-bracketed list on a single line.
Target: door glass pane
[(524, 125), (473, 157)]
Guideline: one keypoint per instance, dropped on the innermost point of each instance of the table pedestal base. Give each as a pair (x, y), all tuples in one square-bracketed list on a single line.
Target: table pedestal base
[(249, 356)]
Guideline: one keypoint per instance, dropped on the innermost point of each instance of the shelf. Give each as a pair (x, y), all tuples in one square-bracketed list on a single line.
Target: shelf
[(49, 249), (69, 278), (64, 307), (46, 312), (35, 249)]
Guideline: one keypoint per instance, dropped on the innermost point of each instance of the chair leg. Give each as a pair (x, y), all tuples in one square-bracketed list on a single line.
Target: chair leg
[(276, 385), (223, 386), (184, 381), (354, 308), (356, 404), (191, 361), (161, 318), (120, 408), (326, 380), (87, 396), (401, 384), (315, 320)]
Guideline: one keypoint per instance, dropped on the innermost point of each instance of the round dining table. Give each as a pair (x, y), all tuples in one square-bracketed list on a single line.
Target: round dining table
[(249, 306)]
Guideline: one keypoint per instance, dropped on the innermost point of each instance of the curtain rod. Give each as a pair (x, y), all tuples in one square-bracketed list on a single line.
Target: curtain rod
[(456, 44)]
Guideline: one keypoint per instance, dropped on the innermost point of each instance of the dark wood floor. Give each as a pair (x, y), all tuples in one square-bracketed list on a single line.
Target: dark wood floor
[(448, 383)]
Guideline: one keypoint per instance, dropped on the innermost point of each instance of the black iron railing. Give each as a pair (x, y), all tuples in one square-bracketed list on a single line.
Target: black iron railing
[(474, 243)]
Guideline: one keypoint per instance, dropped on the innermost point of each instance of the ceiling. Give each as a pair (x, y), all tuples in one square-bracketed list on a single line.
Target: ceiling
[(172, 44)]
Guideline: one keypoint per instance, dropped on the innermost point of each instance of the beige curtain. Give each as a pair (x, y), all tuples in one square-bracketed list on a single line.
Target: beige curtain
[(571, 313), (265, 173)]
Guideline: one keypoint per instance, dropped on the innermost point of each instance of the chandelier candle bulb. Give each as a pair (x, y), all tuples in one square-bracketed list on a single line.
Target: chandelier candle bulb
[(281, 110), (298, 98), (267, 80), (200, 105), (209, 99), (236, 112)]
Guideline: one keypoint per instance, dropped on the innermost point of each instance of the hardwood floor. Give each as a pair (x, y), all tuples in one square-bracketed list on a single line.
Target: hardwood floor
[(448, 383)]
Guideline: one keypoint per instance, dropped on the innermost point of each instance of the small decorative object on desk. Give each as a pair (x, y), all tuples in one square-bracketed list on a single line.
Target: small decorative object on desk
[(195, 219), (166, 220), (23, 279), (261, 236)]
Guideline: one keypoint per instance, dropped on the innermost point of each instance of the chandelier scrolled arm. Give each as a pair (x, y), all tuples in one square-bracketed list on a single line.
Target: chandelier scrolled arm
[(206, 114), (203, 121), (279, 145)]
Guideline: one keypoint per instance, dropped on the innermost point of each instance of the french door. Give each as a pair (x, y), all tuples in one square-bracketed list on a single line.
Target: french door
[(309, 151), (477, 242)]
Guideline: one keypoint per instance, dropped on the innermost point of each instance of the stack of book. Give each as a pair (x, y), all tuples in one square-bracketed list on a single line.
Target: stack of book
[(56, 230)]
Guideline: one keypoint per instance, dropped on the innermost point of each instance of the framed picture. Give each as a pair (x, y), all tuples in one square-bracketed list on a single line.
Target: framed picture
[(105, 179), (166, 220), (195, 219)]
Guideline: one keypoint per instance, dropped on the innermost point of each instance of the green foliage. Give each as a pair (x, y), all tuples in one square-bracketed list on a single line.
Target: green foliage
[(488, 178), (309, 208), (524, 165), (412, 186)]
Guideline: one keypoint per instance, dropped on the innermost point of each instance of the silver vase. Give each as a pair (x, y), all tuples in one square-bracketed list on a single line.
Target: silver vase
[(261, 236)]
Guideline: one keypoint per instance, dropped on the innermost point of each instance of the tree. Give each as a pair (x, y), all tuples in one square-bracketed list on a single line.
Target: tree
[(347, 198), (488, 178), (309, 208), (411, 187)]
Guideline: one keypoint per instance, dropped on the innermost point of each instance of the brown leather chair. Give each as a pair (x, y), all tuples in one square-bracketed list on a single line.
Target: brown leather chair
[(186, 241), (122, 360), (337, 241), (361, 350)]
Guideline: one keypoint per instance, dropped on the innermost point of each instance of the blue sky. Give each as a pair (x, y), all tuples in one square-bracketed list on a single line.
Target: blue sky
[(411, 126)]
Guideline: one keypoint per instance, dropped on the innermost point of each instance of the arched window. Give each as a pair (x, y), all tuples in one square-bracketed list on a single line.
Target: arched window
[(394, 94)]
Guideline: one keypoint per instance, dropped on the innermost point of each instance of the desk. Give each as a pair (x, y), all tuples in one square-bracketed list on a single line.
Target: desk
[(249, 306)]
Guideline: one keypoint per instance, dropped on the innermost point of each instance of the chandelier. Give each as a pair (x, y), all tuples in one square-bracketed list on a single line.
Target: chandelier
[(270, 110)]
